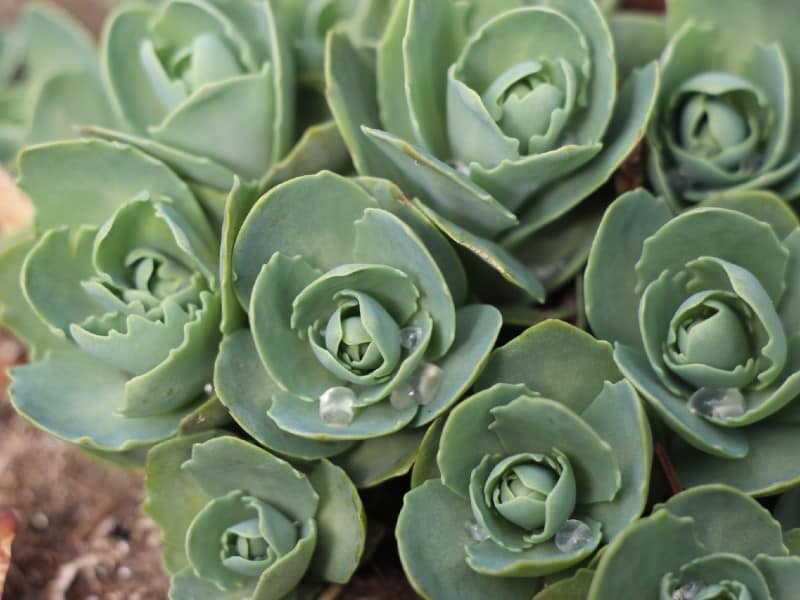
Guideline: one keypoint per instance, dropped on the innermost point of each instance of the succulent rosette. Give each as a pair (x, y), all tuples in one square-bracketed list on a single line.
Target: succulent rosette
[(117, 295), (207, 86), (702, 311), (547, 461), (728, 101), (710, 542), (499, 117), (239, 523), (50, 80), (343, 324)]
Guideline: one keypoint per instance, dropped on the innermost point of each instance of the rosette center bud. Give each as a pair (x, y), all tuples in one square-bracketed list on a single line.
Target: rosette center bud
[(721, 118), (352, 317), (238, 536), (535, 492), (711, 331), (524, 99)]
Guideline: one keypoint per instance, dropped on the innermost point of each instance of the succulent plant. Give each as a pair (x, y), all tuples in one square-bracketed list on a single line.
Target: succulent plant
[(117, 295), (50, 80), (309, 23), (702, 311), (207, 86), (240, 523), (726, 112), (708, 542), (340, 325), (549, 459), (499, 117)]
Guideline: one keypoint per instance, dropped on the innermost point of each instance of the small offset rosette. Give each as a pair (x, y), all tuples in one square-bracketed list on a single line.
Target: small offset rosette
[(240, 523), (710, 542), (207, 86), (119, 297), (539, 469), (501, 118), (702, 309), (341, 326), (728, 101)]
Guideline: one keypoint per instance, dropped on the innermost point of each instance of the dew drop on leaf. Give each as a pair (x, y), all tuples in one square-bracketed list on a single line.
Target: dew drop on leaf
[(573, 535), (475, 531), (410, 337), (718, 403), (336, 406), (419, 389)]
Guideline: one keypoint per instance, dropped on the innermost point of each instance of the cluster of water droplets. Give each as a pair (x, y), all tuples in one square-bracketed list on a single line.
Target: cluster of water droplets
[(572, 536), (717, 403), (422, 386), (337, 404)]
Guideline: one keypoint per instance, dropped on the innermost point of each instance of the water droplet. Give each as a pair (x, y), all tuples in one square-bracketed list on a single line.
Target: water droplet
[(419, 389), (718, 403), (336, 406), (460, 166), (573, 535), (404, 397), (410, 337), (688, 591), (476, 532), (208, 389)]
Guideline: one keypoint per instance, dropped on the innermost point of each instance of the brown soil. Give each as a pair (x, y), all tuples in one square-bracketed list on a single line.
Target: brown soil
[(82, 535)]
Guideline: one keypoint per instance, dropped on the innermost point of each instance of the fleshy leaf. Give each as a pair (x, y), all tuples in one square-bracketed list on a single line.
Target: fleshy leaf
[(619, 417), (610, 281), (77, 398), (85, 195), (246, 389), (634, 546), (432, 536), (530, 424), (383, 239), (766, 469), (467, 437), (341, 524), (311, 217), (555, 360), (712, 508), (477, 327), (173, 498), (376, 460), (301, 417), (542, 559), (725, 442), (226, 464), (707, 232)]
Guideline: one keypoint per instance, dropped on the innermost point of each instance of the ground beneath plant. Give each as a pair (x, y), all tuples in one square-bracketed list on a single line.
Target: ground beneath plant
[(82, 535)]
